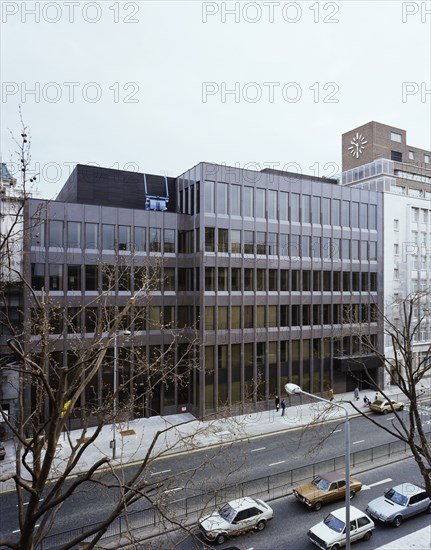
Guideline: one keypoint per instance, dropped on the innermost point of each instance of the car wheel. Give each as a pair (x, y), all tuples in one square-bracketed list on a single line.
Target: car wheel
[(317, 506), (385, 411), (401, 408), (429, 509), (352, 494), (261, 525), (367, 535), (2, 457), (220, 539), (335, 547), (397, 521)]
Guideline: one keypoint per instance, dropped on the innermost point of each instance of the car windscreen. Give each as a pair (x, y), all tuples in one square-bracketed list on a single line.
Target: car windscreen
[(320, 483), (227, 513), (334, 523), (396, 497)]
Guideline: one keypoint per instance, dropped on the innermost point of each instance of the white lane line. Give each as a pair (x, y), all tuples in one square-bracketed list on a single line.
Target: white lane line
[(390, 418), (19, 530), (26, 503), (275, 463), (162, 472), (335, 431), (223, 433), (366, 487), (259, 449), (360, 441)]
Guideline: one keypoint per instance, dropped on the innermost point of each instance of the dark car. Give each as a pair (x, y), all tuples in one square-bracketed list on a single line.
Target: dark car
[(2, 451)]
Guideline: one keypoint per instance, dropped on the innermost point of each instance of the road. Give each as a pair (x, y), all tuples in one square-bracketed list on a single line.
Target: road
[(288, 529), (205, 470)]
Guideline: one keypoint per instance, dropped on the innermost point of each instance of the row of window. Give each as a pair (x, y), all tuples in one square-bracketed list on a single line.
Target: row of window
[(419, 215), (237, 200), (223, 279), (74, 320), (105, 278), (287, 315), (236, 241), (58, 233)]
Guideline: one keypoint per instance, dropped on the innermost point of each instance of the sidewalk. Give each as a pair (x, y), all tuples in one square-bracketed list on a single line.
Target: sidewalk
[(186, 433)]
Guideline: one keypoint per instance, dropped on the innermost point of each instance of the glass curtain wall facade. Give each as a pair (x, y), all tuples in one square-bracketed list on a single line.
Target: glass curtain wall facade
[(289, 286), (279, 275)]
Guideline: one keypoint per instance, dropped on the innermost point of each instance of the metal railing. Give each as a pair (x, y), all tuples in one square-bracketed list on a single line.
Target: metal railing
[(268, 487)]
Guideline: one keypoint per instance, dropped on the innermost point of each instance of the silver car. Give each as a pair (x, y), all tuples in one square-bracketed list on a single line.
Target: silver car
[(399, 503)]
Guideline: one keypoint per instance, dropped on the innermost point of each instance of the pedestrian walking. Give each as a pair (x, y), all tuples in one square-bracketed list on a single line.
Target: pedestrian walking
[(376, 396), (356, 393), (283, 407), (330, 394), (367, 402), (277, 403)]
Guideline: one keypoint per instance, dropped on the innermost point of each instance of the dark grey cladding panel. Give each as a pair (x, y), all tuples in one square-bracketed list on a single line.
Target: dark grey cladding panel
[(110, 187)]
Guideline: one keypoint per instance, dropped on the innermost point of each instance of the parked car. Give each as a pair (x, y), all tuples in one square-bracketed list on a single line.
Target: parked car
[(234, 518), (383, 406), (2, 451), (326, 488), (330, 534), (399, 503)]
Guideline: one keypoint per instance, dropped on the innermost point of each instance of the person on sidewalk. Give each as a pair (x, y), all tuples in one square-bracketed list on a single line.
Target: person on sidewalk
[(277, 403), (330, 394), (283, 407), (356, 393), (367, 402)]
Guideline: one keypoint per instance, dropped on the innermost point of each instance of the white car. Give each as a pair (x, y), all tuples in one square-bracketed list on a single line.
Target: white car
[(234, 518), (330, 534)]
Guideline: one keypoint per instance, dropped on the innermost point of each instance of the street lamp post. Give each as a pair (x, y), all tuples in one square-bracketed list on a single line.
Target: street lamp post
[(115, 384), (293, 389)]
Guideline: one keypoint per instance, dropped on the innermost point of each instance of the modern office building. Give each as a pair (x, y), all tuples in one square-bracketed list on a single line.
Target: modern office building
[(377, 157), (278, 274)]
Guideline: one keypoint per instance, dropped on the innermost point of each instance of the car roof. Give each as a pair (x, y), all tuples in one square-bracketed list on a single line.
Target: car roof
[(355, 513), (408, 489), (242, 503), (333, 476)]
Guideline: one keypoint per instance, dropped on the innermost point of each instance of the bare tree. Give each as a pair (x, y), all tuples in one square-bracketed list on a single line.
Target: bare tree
[(54, 393), (403, 322)]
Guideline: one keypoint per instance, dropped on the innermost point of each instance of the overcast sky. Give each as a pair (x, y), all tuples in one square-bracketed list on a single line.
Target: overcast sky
[(160, 86)]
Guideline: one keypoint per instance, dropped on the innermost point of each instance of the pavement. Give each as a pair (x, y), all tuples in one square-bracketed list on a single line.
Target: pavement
[(182, 432)]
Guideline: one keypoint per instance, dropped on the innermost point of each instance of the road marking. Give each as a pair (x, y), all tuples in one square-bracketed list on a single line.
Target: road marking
[(19, 530), (259, 449), (390, 418), (275, 463), (173, 490), (26, 503), (366, 487), (161, 472), (335, 431), (223, 433), (361, 441)]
